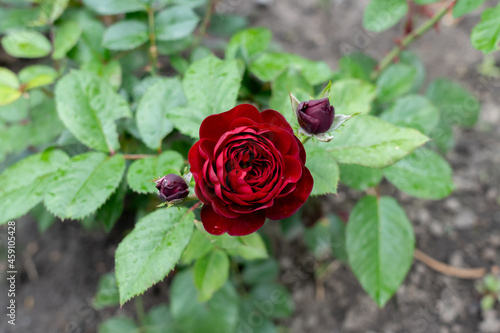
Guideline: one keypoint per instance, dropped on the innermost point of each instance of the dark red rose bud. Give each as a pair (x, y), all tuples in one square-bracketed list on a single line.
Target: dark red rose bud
[(172, 187), (316, 116)]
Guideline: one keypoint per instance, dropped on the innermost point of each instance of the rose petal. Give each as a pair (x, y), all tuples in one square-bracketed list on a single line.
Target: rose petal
[(275, 118), (217, 124), (245, 224), (288, 205)]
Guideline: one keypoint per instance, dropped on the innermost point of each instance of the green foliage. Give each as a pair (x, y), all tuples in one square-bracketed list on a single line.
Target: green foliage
[(359, 177), (323, 168), (160, 236), (218, 315), (125, 35), (423, 174), (151, 115), (83, 184), (175, 23), (89, 107), (210, 85), (141, 173), (111, 7), (9, 86), (374, 143), (26, 44), (327, 237), (380, 15), (380, 245), (66, 36), (118, 325), (248, 43), (107, 292), (351, 96), (18, 197), (396, 80), (37, 76), (210, 273), (463, 7), (486, 34)]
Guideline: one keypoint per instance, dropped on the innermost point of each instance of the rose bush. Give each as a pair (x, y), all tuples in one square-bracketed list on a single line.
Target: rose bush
[(248, 166)]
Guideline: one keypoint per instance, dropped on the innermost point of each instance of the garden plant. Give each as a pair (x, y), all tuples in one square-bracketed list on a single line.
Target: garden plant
[(124, 111)]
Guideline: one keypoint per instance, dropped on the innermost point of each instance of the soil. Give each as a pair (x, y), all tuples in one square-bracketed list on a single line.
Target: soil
[(59, 269)]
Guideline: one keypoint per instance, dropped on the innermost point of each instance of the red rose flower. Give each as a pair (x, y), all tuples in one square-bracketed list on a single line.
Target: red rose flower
[(248, 166)]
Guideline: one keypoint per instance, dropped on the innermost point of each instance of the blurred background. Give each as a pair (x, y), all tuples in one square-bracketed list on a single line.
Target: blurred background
[(59, 269)]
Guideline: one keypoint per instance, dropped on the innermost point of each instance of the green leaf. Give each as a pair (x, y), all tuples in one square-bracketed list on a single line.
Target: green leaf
[(111, 211), (174, 46), (442, 136), (290, 81), (36, 76), (210, 273), (14, 112), (223, 241), (248, 43), (48, 11), (84, 184), (118, 325), (350, 96), (151, 115), (396, 80), (411, 59), (159, 320), (142, 172), (66, 36), (44, 219), (175, 23), (197, 247), (327, 237), (45, 125), (457, 105), (269, 65), (414, 111), (372, 142), (252, 320), (211, 86), (159, 237), (380, 15), (252, 247), (380, 244), (111, 71), (107, 292), (422, 174), (218, 315), (9, 87), (273, 300), (485, 35), (89, 47), (359, 177), (125, 35), (112, 7), (226, 24), (26, 44), (357, 66), (89, 107), (324, 169), (23, 184), (463, 7), (256, 272)]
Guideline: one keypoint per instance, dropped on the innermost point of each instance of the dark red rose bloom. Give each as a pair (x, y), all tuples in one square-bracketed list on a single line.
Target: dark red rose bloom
[(316, 116), (248, 166)]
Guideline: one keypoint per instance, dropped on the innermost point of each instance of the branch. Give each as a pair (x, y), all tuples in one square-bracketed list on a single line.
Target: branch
[(153, 51), (462, 273), (394, 53)]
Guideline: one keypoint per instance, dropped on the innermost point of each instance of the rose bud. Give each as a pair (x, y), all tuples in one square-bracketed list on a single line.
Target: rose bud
[(172, 188), (316, 116)]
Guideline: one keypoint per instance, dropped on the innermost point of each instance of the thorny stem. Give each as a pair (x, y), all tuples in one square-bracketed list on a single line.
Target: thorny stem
[(394, 53), (137, 156), (206, 21), (153, 51)]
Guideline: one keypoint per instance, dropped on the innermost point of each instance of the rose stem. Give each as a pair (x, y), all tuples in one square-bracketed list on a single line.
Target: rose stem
[(463, 273), (206, 22), (394, 53), (139, 307), (153, 51)]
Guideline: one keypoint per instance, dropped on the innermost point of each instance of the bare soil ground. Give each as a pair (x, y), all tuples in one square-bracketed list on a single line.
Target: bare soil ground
[(60, 268)]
